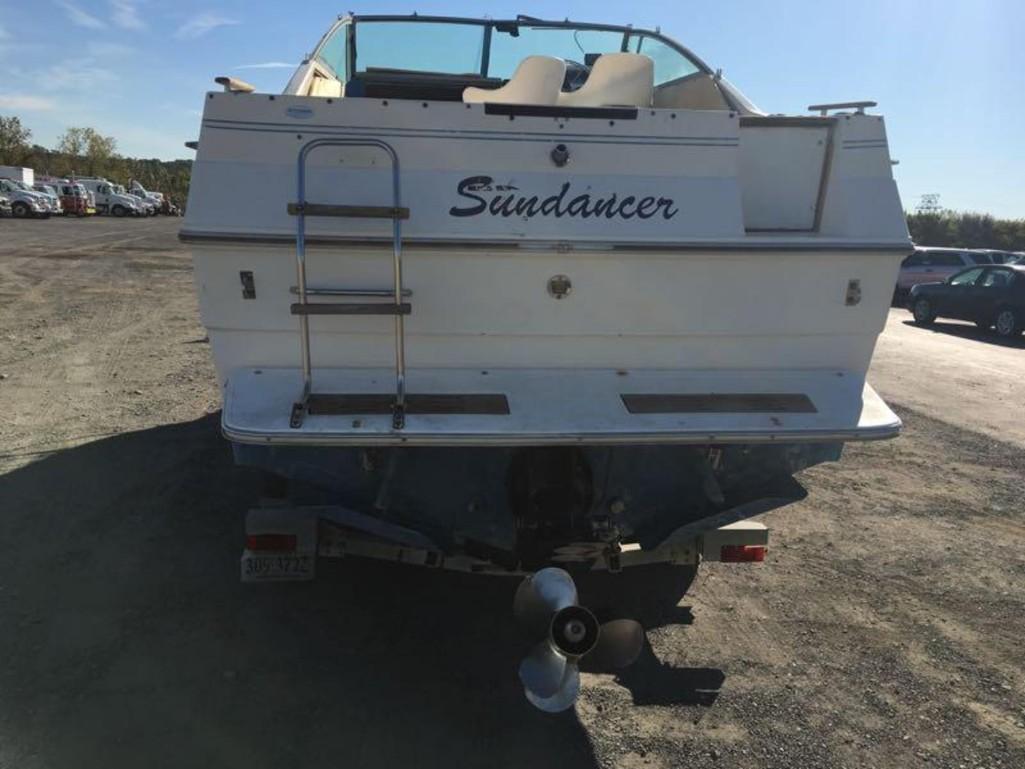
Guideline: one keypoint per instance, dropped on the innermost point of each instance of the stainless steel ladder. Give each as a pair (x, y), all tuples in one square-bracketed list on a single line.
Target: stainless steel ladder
[(304, 308)]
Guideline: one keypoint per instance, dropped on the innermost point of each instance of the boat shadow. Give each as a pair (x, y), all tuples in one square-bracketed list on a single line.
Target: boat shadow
[(129, 640), (970, 331)]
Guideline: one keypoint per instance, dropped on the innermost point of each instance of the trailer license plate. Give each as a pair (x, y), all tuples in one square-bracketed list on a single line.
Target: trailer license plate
[(276, 568)]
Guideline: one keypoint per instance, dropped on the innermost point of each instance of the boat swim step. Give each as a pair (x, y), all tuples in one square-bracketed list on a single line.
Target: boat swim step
[(352, 308), (337, 404), (565, 406), (352, 212)]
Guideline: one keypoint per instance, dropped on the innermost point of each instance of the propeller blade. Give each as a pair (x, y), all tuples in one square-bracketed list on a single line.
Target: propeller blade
[(542, 671), (542, 594), (620, 643), (564, 698)]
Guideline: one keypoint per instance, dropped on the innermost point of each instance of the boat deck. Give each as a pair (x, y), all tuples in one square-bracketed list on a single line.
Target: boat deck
[(448, 407)]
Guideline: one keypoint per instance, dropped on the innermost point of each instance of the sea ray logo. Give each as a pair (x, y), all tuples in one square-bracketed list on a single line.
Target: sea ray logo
[(559, 205)]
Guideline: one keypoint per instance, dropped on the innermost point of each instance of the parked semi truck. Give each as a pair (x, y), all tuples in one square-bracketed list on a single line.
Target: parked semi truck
[(52, 197), (109, 200), (23, 199), (73, 197), (148, 207)]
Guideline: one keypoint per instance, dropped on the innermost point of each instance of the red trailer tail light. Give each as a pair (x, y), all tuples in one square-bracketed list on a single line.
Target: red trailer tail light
[(271, 543), (742, 553)]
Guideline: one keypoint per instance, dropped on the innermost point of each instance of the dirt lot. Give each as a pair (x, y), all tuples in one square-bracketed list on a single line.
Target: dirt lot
[(884, 631)]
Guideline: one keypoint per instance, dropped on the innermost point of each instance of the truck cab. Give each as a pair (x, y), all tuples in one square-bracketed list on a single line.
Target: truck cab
[(156, 198), (73, 197), (146, 207), (109, 200), (24, 200), (51, 195)]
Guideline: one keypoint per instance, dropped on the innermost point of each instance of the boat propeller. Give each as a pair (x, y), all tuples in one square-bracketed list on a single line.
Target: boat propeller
[(546, 604)]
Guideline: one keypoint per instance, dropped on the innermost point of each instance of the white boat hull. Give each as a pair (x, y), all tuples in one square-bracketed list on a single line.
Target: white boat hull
[(706, 254)]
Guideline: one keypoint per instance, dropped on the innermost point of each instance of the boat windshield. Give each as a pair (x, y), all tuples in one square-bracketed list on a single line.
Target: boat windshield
[(490, 49)]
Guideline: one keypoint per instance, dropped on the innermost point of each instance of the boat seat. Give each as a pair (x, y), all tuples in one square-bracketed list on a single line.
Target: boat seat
[(328, 87), (616, 80), (537, 80), (699, 90)]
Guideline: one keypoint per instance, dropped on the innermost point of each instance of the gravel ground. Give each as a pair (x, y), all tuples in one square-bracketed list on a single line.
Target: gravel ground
[(884, 630)]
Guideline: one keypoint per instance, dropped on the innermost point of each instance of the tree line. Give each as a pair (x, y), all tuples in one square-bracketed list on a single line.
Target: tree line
[(86, 152), (966, 230)]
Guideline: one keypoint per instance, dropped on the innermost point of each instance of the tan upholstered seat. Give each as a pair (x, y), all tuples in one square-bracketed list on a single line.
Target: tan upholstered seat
[(616, 79), (322, 86), (537, 80), (326, 86)]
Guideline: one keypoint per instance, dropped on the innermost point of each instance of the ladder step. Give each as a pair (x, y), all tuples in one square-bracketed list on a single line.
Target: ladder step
[(350, 308), (352, 212), (355, 404), (384, 293)]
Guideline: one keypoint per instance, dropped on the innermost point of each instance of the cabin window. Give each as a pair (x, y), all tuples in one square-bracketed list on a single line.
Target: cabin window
[(333, 53), (419, 46), (579, 45), (670, 64), (421, 58)]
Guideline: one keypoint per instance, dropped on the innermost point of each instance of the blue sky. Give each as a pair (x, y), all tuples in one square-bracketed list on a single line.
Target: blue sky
[(949, 76)]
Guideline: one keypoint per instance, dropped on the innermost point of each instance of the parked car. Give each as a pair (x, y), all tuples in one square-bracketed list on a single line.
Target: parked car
[(997, 257), (991, 297), (24, 200), (928, 264), (5, 206)]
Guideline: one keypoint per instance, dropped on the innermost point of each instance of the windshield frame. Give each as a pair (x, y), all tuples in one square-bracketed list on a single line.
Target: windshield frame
[(352, 21)]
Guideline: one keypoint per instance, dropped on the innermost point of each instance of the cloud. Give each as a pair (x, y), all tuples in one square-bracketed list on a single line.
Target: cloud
[(202, 24), (125, 14), (80, 17), (18, 101), (268, 65)]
